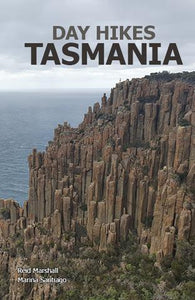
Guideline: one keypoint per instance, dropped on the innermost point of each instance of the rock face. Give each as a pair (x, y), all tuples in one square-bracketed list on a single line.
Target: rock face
[(128, 166)]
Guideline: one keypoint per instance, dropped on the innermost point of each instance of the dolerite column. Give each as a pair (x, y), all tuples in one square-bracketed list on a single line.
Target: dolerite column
[(66, 213), (41, 195)]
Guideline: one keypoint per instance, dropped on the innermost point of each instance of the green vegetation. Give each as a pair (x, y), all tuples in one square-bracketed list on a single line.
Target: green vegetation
[(83, 206), (149, 99), (43, 230), (19, 244), (125, 147), (125, 273), (117, 274), (111, 142), (4, 284), (140, 144), (182, 176), (148, 221), (145, 170), (184, 76), (68, 235), (120, 273), (183, 122), (5, 213)]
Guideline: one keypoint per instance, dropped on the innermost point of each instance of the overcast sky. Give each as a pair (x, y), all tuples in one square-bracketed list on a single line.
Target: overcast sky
[(24, 21)]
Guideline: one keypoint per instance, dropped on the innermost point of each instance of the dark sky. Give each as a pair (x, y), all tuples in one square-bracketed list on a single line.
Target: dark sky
[(32, 21)]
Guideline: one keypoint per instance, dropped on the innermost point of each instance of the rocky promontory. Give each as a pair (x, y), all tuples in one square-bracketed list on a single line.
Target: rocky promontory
[(128, 169)]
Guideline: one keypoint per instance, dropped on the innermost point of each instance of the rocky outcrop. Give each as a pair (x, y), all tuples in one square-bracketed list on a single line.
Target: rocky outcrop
[(129, 166), (129, 162)]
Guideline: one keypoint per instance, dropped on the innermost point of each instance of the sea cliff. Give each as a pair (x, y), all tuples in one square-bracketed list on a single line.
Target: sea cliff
[(129, 168)]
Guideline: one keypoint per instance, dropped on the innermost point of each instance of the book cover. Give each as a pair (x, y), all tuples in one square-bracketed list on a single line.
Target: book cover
[(97, 158)]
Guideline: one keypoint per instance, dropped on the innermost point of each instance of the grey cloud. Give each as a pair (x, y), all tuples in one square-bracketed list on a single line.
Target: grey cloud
[(31, 21)]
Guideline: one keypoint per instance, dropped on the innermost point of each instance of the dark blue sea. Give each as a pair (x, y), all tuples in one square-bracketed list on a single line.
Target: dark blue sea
[(27, 121)]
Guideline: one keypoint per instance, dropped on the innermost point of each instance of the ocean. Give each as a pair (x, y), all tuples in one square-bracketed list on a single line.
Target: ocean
[(27, 121)]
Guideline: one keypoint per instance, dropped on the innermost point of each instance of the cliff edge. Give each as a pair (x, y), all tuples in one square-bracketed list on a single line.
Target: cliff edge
[(128, 167)]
